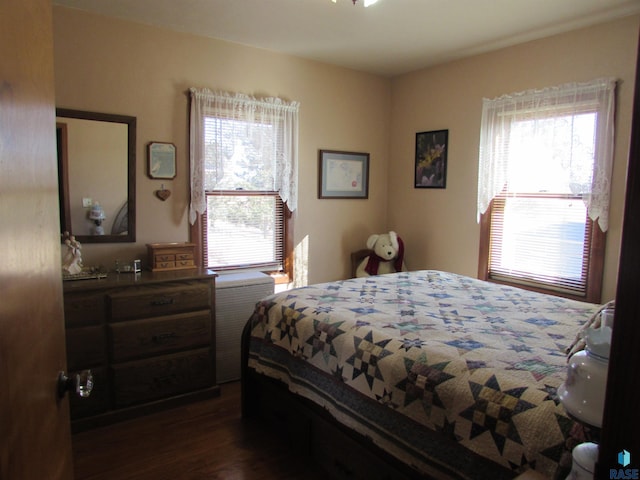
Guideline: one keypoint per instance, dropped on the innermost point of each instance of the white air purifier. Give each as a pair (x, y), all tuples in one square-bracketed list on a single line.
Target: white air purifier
[(236, 297)]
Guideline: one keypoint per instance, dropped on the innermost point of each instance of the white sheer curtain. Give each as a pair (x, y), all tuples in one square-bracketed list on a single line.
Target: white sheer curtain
[(548, 120), (253, 115)]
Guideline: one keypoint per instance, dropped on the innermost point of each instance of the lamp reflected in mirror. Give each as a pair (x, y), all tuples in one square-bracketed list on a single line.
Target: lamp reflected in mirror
[(97, 216)]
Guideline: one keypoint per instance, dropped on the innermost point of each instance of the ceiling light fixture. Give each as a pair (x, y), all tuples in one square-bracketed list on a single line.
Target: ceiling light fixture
[(367, 3)]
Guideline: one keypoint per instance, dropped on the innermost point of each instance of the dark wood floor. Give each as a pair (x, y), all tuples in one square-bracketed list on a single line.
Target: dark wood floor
[(204, 440)]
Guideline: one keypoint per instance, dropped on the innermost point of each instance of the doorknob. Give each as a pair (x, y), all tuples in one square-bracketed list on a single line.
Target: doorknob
[(80, 383)]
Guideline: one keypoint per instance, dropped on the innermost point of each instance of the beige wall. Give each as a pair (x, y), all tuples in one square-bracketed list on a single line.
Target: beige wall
[(439, 226), (112, 66)]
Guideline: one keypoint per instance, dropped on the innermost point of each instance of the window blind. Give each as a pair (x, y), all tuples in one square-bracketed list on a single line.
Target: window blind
[(244, 230), (541, 241)]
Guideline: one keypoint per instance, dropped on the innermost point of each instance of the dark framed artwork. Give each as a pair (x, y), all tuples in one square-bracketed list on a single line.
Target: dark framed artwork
[(343, 174), (431, 159)]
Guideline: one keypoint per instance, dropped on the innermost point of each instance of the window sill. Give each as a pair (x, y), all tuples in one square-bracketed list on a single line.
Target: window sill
[(542, 289), (279, 278)]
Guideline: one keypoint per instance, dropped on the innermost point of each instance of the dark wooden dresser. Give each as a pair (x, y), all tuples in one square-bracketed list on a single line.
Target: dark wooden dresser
[(148, 338)]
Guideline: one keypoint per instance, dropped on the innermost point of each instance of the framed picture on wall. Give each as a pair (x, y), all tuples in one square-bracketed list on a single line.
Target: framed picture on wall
[(431, 159), (162, 160), (343, 174)]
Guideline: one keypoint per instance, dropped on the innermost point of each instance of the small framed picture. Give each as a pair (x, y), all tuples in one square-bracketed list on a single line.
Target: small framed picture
[(431, 159), (343, 174), (162, 160)]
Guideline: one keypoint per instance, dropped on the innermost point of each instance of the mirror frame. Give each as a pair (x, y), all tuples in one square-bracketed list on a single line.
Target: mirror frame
[(65, 218)]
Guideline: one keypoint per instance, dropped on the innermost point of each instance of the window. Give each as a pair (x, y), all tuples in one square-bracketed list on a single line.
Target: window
[(543, 192), (243, 179)]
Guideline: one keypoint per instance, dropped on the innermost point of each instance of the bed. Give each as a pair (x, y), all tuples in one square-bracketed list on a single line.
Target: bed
[(433, 374)]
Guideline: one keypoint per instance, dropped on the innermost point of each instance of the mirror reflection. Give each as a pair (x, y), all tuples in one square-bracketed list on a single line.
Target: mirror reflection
[(96, 160)]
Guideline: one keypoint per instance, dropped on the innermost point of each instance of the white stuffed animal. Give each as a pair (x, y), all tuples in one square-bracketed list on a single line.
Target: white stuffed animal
[(387, 256)]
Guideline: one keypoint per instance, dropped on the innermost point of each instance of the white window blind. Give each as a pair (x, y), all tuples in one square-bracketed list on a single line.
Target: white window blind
[(540, 240), (244, 230)]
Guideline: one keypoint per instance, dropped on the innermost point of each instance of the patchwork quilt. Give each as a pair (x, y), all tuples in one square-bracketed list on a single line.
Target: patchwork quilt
[(452, 375)]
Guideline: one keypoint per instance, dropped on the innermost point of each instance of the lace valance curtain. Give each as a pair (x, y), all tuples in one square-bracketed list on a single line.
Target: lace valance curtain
[(548, 120), (271, 124)]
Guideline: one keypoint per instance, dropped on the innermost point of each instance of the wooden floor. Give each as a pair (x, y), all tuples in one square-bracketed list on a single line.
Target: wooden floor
[(204, 440)]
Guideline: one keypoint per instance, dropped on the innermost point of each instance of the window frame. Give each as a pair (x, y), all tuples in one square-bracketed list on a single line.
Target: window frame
[(220, 104), (198, 229), (595, 270), (498, 116)]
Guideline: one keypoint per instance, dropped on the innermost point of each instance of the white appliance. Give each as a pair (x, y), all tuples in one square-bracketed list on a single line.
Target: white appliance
[(236, 297)]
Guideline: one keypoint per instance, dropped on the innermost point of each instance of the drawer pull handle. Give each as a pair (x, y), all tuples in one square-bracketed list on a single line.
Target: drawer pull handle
[(162, 301), (163, 337)]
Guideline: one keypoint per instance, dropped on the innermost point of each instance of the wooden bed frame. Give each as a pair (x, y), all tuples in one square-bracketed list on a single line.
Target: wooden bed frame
[(311, 431), (344, 454)]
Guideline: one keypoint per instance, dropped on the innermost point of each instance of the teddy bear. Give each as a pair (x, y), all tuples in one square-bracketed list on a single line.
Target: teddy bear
[(387, 256)]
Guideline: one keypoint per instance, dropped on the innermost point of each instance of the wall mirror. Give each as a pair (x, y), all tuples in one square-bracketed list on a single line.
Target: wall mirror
[(97, 175)]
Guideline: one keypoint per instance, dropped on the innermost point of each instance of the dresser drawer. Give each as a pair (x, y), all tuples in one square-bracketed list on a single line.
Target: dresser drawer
[(86, 347), (165, 258), (184, 263), (143, 338), (159, 377), (82, 309), (94, 404), (152, 302), (166, 265)]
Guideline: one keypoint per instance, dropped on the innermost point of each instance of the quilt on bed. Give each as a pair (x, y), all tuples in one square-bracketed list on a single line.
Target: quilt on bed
[(429, 351)]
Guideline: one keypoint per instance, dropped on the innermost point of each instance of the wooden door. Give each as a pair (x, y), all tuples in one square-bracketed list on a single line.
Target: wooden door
[(621, 421), (35, 438)]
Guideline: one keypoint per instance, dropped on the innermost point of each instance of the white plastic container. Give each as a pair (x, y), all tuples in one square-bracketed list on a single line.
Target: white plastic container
[(583, 392), (584, 461)]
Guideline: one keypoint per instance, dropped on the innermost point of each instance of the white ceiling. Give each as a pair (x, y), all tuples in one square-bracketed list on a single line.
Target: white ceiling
[(389, 38)]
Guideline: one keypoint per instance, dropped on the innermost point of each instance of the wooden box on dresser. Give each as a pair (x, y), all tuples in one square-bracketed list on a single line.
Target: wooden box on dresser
[(148, 338)]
